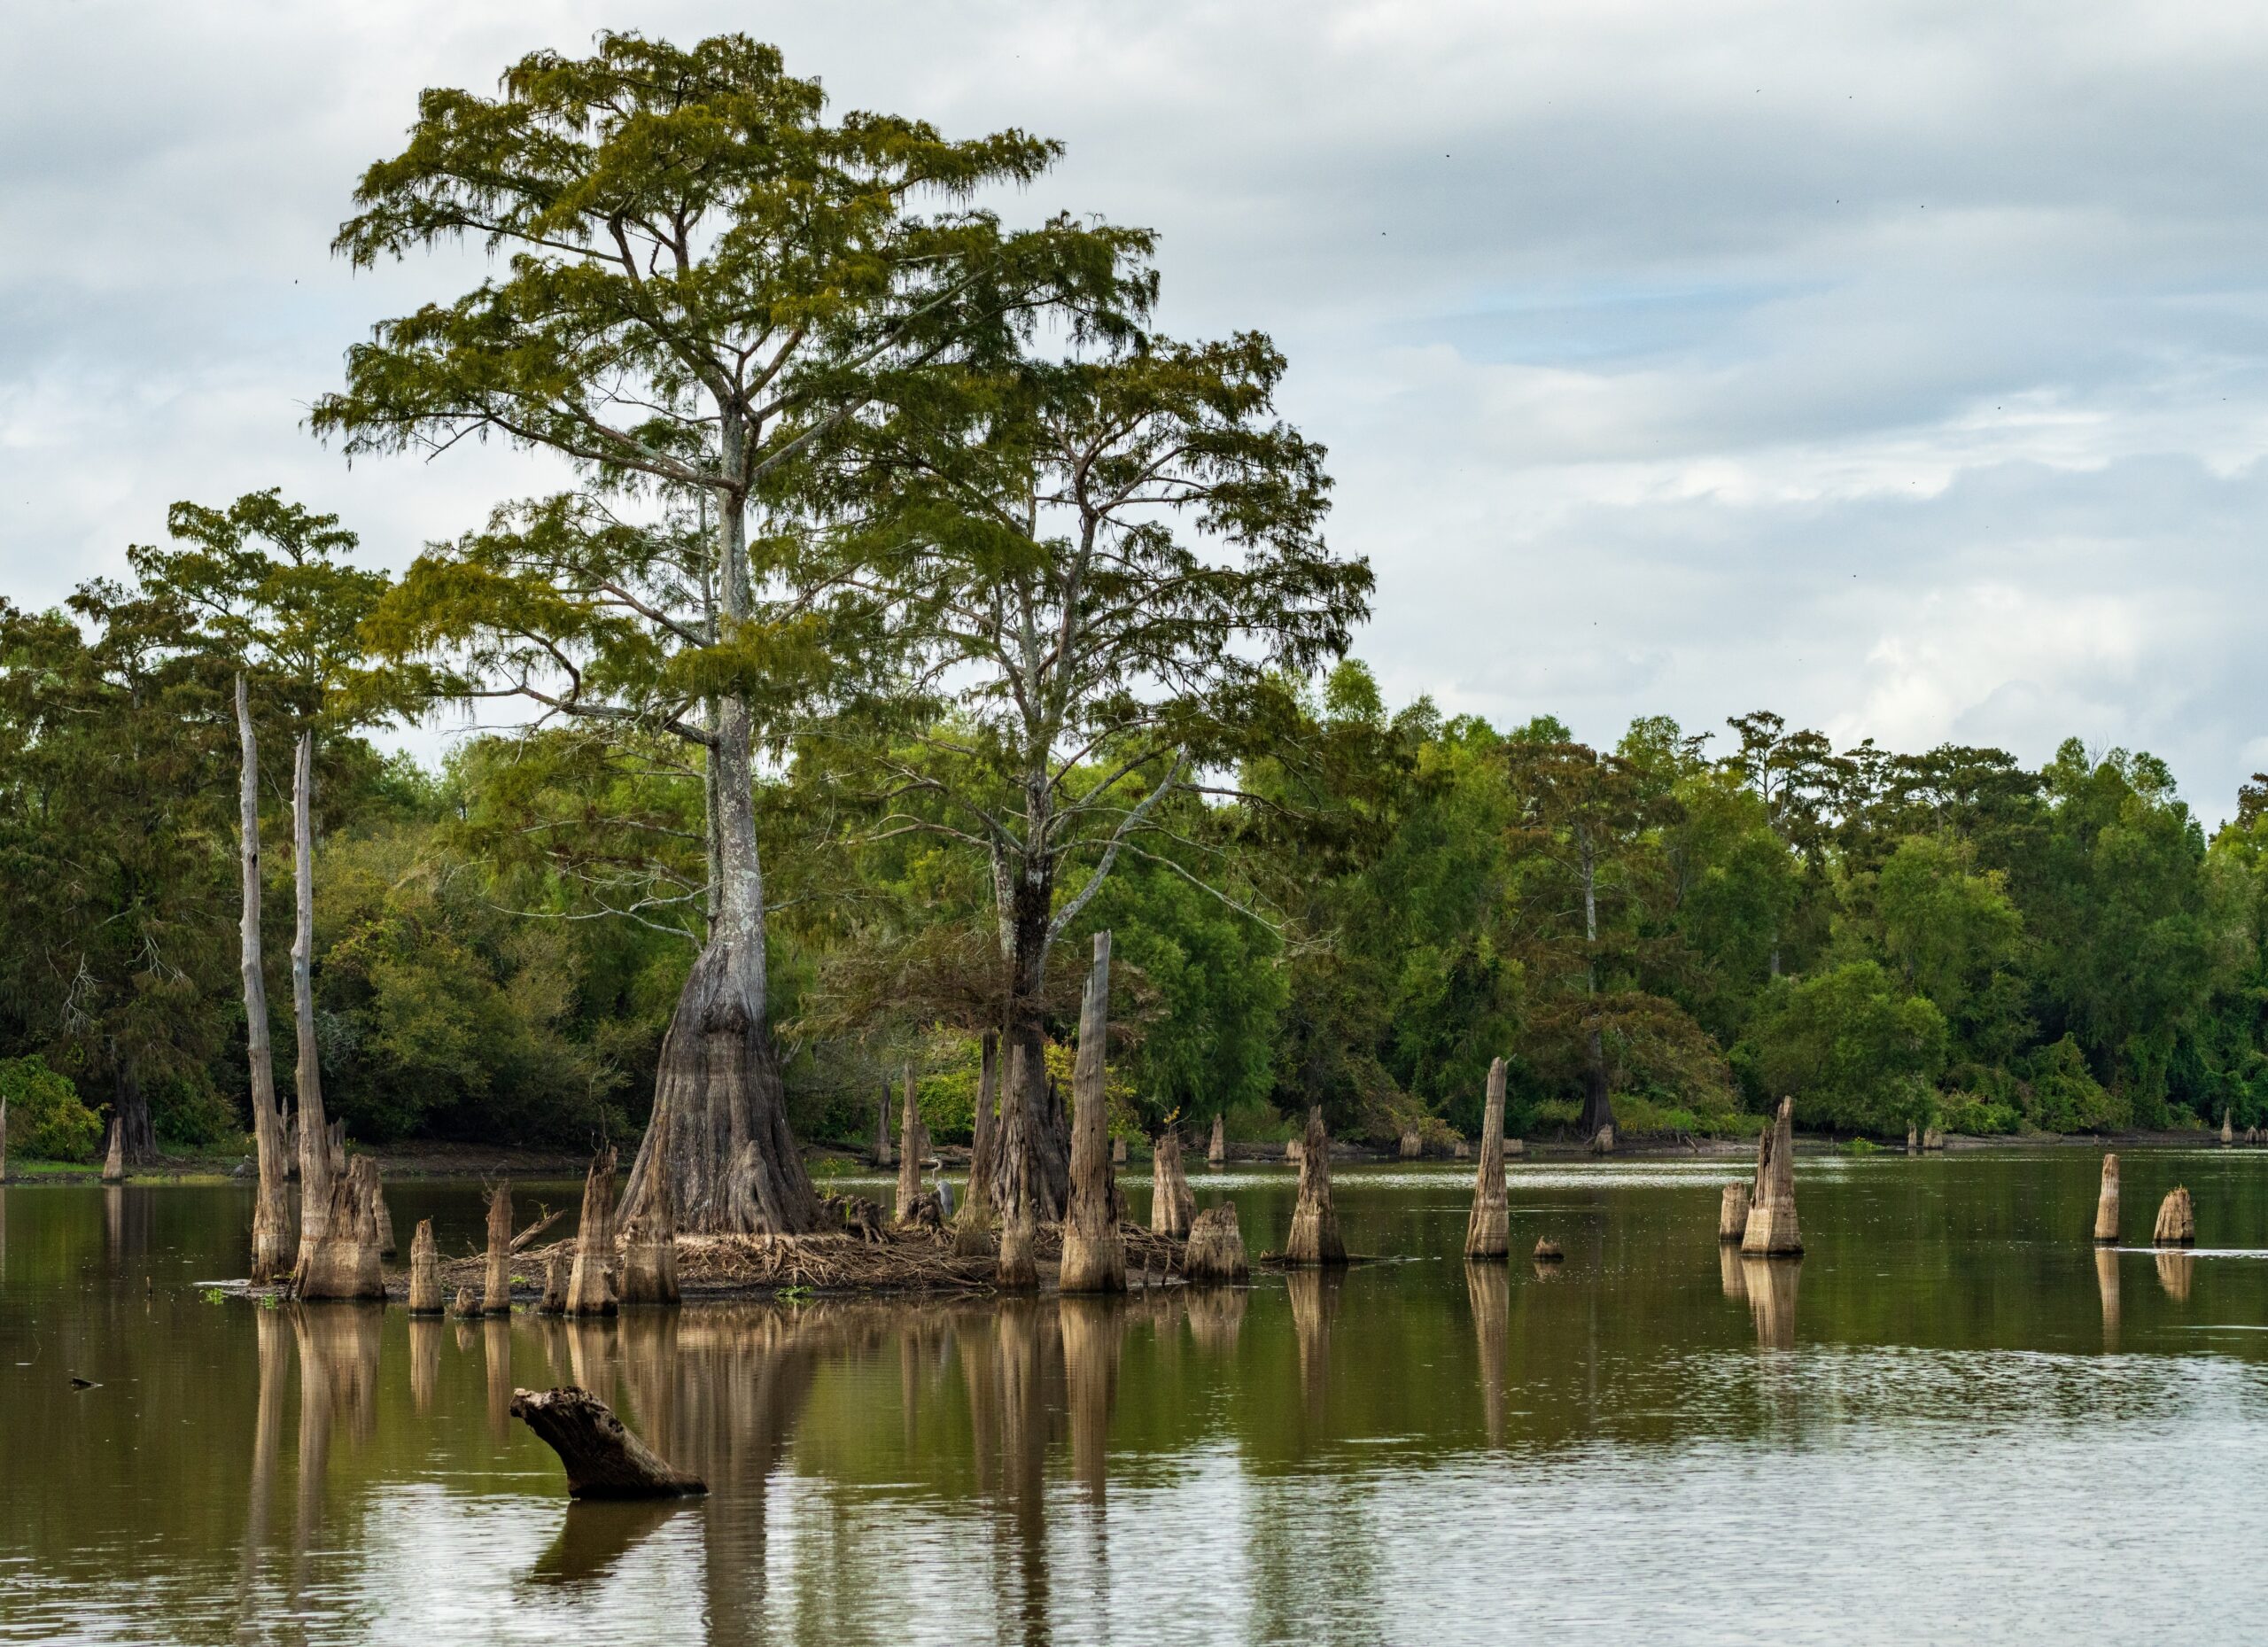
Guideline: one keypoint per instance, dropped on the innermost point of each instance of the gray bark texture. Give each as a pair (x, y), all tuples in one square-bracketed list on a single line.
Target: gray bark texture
[(1488, 1231), (271, 1215), (1094, 1258)]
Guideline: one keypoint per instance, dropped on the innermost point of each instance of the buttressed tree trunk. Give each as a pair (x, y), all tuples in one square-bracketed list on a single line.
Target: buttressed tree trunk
[(1772, 1231), (343, 1265), (590, 1289), (424, 1272), (1094, 1258), (1173, 1205), (1487, 1232), (496, 1294), (1216, 1251), (1019, 1266), (271, 1212), (1315, 1221), (1732, 1214), (315, 1163), (1218, 1151), (972, 1229), (2106, 1206), (719, 1127), (909, 1135)]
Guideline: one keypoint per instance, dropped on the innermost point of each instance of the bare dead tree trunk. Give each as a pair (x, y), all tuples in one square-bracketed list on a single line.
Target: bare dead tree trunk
[(343, 1265), (1216, 1153), (424, 1272), (590, 1289), (1315, 1221), (1094, 1258), (1173, 1206), (114, 1155), (496, 1294), (909, 1162), (315, 1164), (972, 1227), (1488, 1231), (1732, 1214), (1019, 1267), (1772, 1232), (603, 1459), (2106, 1206), (271, 1215), (649, 1253)]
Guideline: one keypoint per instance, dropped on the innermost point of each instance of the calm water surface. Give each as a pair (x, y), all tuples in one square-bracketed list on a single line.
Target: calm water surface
[(1953, 1420)]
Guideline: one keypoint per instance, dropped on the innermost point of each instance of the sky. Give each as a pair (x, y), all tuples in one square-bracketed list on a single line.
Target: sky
[(1900, 367)]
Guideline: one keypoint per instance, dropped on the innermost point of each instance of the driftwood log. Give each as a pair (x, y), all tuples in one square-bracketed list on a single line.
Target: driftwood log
[(1216, 1153), (590, 1285), (1094, 1258), (2177, 1224), (1732, 1214), (496, 1292), (424, 1272), (1486, 1233), (344, 1264), (1216, 1250), (1772, 1229), (2106, 1205), (1172, 1203), (603, 1459), (1315, 1221)]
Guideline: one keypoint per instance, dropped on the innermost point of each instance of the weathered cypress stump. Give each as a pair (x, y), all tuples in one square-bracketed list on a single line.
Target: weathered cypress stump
[(496, 1291), (2228, 1132), (973, 1235), (1488, 1231), (1216, 1249), (909, 1160), (385, 1226), (1018, 1270), (2106, 1206), (467, 1305), (2177, 1223), (1118, 1151), (1315, 1221), (1216, 1153), (590, 1286), (554, 1285), (115, 1158), (1603, 1141), (649, 1252), (1933, 1139), (344, 1264), (1913, 1141), (1172, 1203), (604, 1460), (1732, 1213), (1772, 1229), (424, 1272), (1413, 1144), (1291, 1148), (1094, 1258), (1547, 1251)]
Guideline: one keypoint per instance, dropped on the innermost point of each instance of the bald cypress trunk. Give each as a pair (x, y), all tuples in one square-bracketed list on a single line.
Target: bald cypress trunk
[(496, 1294), (909, 1138), (1094, 1258), (973, 1228), (344, 1264), (271, 1215), (315, 1163), (1486, 1233), (1019, 1269), (590, 1288)]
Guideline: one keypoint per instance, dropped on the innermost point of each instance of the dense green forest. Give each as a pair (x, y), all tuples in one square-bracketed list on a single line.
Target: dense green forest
[(907, 558)]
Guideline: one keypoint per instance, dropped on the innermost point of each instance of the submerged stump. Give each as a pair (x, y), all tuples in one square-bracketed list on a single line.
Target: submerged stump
[(2177, 1224), (424, 1272), (1487, 1231), (1732, 1213), (603, 1459), (1772, 1231), (1094, 1258), (590, 1286), (1216, 1249), (1172, 1203), (2106, 1206), (1315, 1221), (344, 1261)]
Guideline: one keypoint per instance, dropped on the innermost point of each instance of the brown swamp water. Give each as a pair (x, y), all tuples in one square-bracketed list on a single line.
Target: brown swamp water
[(1951, 1420)]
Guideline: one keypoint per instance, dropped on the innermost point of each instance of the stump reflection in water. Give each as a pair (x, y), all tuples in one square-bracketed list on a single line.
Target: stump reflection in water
[(1094, 1333), (2106, 1281), (1772, 1284), (2176, 1268), (1490, 1287), (1315, 1306)]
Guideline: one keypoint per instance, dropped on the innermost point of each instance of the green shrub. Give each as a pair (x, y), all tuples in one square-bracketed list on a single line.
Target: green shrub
[(2064, 1096), (46, 1120), (1974, 1116), (1256, 1120), (187, 1111)]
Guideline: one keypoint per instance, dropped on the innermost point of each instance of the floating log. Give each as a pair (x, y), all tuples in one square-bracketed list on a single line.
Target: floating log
[(1732, 1213), (973, 1232), (1413, 1145), (1216, 1153), (603, 1459), (1547, 1251), (114, 1159), (590, 1285), (496, 1293), (2106, 1205), (2177, 1223), (1094, 1258), (909, 1160), (1772, 1231), (344, 1264), (1172, 1203), (554, 1285), (1315, 1221), (424, 1272), (1487, 1231), (1216, 1251)]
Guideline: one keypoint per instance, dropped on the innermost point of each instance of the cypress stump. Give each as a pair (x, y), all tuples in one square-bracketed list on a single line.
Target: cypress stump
[(1172, 1203), (344, 1262), (1772, 1231), (2177, 1224), (1315, 1221), (1216, 1153), (2106, 1206), (1094, 1258), (424, 1272), (496, 1290), (590, 1286), (1216, 1250), (1732, 1214), (1486, 1233)]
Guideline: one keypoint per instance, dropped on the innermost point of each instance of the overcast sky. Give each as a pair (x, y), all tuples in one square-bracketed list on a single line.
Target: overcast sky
[(1900, 368)]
